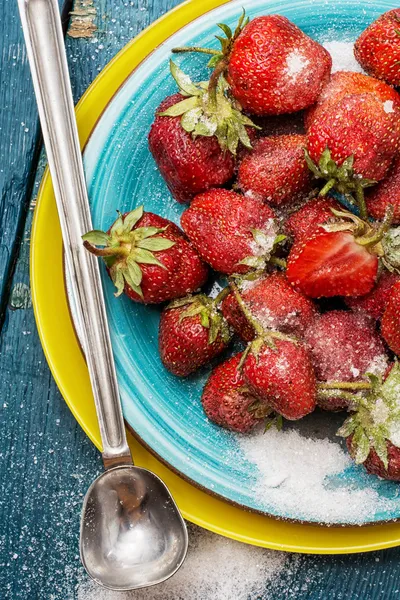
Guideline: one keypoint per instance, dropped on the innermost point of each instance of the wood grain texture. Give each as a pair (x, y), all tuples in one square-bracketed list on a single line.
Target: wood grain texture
[(46, 462)]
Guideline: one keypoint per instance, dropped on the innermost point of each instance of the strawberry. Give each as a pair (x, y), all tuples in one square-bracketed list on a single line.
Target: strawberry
[(148, 257), (232, 233), (271, 65), (277, 369), (341, 261), (378, 50), (188, 164), (281, 375), (374, 303), (347, 82), (308, 219), (274, 303), (385, 193), (344, 347), (275, 171), (358, 126), (227, 402), (192, 332), (390, 324), (275, 68), (372, 431)]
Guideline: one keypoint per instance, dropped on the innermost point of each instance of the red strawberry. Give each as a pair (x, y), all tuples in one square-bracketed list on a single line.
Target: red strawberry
[(390, 324), (148, 258), (282, 376), (191, 333), (378, 49), (231, 232), (343, 346), (275, 68), (372, 431), (274, 303), (189, 165), (227, 402), (309, 218), (275, 171), (374, 303), (361, 126), (347, 82), (385, 193), (341, 261)]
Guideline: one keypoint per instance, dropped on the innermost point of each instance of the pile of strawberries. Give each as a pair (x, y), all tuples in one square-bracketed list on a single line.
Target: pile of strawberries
[(301, 225)]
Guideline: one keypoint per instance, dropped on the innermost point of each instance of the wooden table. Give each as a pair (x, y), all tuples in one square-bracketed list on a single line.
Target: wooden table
[(46, 461)]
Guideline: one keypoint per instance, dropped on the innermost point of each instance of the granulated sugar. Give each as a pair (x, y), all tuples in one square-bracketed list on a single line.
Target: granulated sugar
[(343, 58), (215, 568), (301, 476)]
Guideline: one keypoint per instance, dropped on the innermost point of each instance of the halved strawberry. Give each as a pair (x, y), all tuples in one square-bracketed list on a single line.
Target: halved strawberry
[(342, 261)]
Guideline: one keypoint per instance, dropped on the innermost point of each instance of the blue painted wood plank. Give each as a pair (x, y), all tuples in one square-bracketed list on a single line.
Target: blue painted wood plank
[(19, 139)]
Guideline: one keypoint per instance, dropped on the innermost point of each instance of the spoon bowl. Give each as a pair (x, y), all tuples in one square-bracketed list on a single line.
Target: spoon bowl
[(132, 534)]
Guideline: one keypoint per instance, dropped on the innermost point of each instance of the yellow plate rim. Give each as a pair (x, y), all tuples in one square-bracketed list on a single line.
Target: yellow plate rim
[(67, 364)]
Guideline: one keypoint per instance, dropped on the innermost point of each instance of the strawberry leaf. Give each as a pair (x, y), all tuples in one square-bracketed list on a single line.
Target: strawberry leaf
[(144, 256), (180, 108), (214, 60), (348, 427), (135, 272), (361, 445), (136, 288), (132, 218), (156, 244), (190, 119), (183, 81), (118, 280), (97, 237), (118, 226), (144, 232), (226, 29)]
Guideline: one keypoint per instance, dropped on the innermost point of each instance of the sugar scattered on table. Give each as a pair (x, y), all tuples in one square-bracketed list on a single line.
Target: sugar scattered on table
[(216, 568)]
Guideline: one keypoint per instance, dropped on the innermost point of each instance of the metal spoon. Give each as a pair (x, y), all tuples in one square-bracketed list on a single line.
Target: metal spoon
[(132, 534)]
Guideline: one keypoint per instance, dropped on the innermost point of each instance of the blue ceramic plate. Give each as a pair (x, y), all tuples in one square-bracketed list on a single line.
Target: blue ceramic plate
[(298, 474)]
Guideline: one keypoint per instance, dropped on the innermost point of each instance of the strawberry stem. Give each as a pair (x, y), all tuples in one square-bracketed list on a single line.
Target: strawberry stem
[(222, 295), (279, 262), (215, 75), (360, 198), (327, 187), (344, 385), (195, 49), (252, 320), (341, 394), (384, 227), (107, 251)]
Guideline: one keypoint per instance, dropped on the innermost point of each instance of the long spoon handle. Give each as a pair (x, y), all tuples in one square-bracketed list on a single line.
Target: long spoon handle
[(45, 46)]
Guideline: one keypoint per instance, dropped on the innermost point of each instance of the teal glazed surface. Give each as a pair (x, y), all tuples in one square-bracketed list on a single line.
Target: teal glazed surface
[(163, 410)]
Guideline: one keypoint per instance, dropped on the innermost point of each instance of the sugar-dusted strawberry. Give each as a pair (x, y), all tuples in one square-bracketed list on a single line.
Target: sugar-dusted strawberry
[(374, 303), (282, 376), (378, 49), (192, 332), (372, 431), (344, 346), (275, 68), (148, 257), (390, 324), (227, 401), (358, 125), (308, 219), (271, 65), (188, 164), (277, 369), (385, 193), (340, 262), (276, 170), (348, 82), (231, 232), (274, 303)]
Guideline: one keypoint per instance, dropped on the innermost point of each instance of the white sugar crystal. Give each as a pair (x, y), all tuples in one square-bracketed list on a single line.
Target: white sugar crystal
[(380, 412), (295, 64), (310, 485), (216, 568), (388, 106), (343, 58)]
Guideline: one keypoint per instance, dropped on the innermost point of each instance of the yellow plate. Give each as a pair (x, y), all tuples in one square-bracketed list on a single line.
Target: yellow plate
[(68, 366)]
